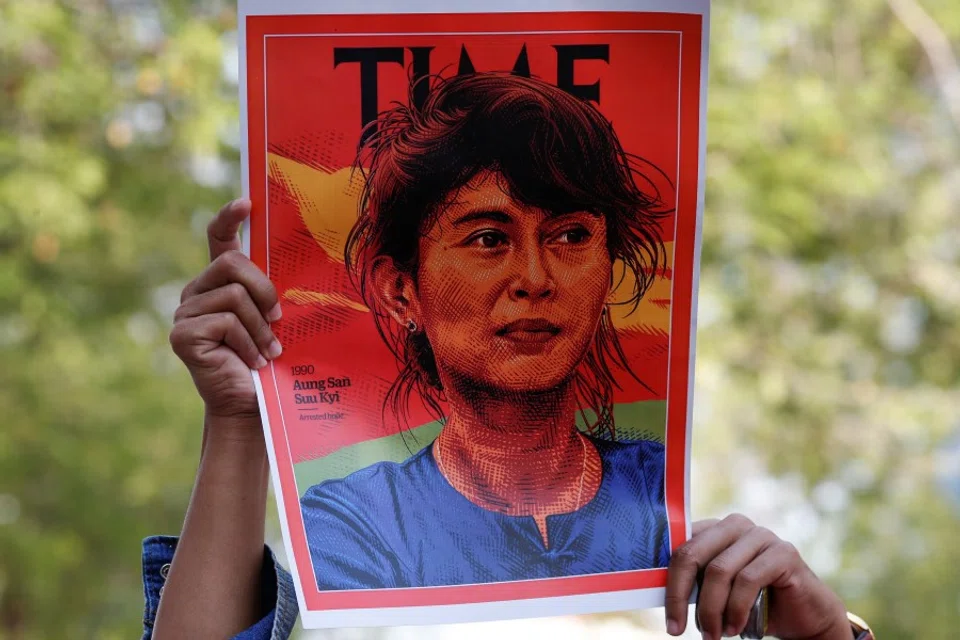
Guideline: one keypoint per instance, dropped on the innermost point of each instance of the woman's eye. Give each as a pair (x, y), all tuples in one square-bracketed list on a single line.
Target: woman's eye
[(489, 239), (574, 236)]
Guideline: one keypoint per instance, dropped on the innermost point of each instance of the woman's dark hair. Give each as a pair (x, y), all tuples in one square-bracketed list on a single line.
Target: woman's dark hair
[(553, 151)]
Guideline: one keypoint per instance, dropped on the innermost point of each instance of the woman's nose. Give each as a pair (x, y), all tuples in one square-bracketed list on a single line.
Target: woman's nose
[(532, 277)]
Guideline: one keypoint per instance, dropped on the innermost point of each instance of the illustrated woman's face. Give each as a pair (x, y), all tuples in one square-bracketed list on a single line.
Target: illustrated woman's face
[(510, 296)]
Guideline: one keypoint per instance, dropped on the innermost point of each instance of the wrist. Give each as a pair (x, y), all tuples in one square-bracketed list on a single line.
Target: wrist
[(233, 470), (238, 430), (234, 446), (839, 628)]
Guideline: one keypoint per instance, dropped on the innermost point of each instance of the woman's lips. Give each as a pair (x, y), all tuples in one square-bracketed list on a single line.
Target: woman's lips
[(534, 330)]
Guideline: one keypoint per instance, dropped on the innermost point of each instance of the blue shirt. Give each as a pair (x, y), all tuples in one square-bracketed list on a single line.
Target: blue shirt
[(624, 527), (275, 583), (396, 525)]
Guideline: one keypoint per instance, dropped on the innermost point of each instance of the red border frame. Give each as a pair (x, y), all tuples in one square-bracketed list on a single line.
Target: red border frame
[(690, 26)]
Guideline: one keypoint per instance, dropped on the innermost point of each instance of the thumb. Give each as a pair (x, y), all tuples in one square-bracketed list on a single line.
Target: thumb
[(223, 229)]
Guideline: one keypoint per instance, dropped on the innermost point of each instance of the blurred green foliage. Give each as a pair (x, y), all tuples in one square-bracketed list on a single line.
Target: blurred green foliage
[(107, 110), (828, 357)]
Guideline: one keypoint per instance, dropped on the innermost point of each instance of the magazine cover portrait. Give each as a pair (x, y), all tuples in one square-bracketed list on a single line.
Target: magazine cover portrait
[(483, 225)]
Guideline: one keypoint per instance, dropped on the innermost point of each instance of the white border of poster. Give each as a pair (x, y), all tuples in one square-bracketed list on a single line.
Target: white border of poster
[(506, 609)]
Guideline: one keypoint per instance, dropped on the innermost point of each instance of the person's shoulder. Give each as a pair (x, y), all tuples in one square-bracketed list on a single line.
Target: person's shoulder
[(372, 485), (630, 451), (356, 526), (623, 458), (637, 465)]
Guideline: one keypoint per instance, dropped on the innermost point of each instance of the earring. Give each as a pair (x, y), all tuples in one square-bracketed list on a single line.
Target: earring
[(411, 326)]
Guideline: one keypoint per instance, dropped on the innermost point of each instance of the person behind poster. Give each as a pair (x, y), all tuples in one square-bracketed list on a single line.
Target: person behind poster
[(495, 225), (219, 579)]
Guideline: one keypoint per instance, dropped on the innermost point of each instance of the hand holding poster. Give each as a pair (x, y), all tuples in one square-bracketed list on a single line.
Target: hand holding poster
[(483, 228)]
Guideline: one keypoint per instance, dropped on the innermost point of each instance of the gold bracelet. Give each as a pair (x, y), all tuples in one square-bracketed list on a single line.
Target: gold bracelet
[(861, 630)]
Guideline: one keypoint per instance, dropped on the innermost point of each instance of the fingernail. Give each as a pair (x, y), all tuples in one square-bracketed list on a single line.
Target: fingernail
[(274, 350), (673, 627), (730, 631), (261, 363), (274, 314)]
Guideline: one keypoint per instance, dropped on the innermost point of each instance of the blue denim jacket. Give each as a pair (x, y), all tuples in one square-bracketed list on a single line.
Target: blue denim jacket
[(277, 586)]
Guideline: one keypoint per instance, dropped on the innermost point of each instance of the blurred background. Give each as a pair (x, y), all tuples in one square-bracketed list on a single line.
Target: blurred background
[(828, 364)]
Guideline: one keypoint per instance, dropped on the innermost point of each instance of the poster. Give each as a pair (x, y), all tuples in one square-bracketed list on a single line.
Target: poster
[(483, 223)]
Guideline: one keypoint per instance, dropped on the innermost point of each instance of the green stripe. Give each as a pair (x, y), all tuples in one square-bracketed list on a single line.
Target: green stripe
[(635, 421)]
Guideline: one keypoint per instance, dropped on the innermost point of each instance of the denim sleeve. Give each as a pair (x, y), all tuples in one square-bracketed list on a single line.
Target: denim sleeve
[(276, 581)]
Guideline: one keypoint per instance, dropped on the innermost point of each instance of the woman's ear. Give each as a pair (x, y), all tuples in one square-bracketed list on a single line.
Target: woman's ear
[(395, 291)]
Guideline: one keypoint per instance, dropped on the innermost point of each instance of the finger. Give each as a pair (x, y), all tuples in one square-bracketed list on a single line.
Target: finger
[(193, 338), (719, 574), (235, 299), (690, 559), (702, 525), (222, 232), (776, 561), (232, 267)]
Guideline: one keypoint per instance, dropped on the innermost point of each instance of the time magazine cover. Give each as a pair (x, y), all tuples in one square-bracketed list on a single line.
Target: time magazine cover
[(483, 223)]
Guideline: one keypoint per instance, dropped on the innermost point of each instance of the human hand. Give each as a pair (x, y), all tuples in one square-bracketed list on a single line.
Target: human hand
[(736, 559), (222, 328)]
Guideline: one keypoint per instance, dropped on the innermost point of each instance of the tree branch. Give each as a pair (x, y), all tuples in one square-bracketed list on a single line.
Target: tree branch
[(936, 45)]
